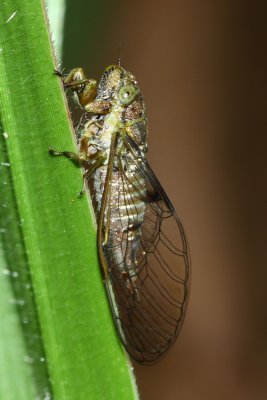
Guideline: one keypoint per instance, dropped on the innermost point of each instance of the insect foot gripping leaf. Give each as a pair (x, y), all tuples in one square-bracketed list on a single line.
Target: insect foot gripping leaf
[(141, 242)]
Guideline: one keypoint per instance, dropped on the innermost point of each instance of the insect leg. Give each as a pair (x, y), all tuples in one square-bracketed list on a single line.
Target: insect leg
[(74, 78), (98, 107), (77, 81), (85, 90), (81, 121), (68, 154), (93, 167)]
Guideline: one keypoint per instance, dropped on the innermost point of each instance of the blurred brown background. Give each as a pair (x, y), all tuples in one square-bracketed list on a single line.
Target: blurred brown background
[(202, 67)]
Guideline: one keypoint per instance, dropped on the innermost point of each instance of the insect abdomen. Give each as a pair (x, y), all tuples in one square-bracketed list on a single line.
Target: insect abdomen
[(127, 216)]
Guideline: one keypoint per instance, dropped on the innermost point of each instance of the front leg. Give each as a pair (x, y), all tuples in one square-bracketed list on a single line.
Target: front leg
[(85, 90), (77, 81)]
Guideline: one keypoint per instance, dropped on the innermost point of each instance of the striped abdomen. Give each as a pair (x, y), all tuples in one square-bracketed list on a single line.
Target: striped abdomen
[(127, 215)]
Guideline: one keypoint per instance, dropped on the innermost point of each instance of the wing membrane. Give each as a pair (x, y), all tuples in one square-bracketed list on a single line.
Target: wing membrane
[(143, 245)]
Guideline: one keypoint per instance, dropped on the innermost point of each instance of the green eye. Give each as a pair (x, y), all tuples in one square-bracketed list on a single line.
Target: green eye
[(127, 94)]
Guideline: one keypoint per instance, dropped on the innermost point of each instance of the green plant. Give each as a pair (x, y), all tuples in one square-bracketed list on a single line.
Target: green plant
[(57, 335)]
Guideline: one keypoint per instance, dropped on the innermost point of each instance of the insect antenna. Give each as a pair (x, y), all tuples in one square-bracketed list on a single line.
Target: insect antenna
[(120, 54)]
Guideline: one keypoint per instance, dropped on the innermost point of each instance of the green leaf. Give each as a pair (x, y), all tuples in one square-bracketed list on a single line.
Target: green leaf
[(57, 335)]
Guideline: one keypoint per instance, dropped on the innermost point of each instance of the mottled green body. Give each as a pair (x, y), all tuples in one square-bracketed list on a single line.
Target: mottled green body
[(122, 119)]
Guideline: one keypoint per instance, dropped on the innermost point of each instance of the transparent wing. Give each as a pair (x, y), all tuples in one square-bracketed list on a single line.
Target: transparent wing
[(144, 247)]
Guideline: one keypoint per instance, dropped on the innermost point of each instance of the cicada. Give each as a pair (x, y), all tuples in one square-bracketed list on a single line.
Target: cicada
[(142, 246)]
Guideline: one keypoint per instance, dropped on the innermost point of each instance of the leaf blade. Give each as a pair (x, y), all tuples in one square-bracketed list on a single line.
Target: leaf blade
[(84, 358)]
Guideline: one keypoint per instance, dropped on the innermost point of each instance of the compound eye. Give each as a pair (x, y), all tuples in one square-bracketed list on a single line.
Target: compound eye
[(127, 94)]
